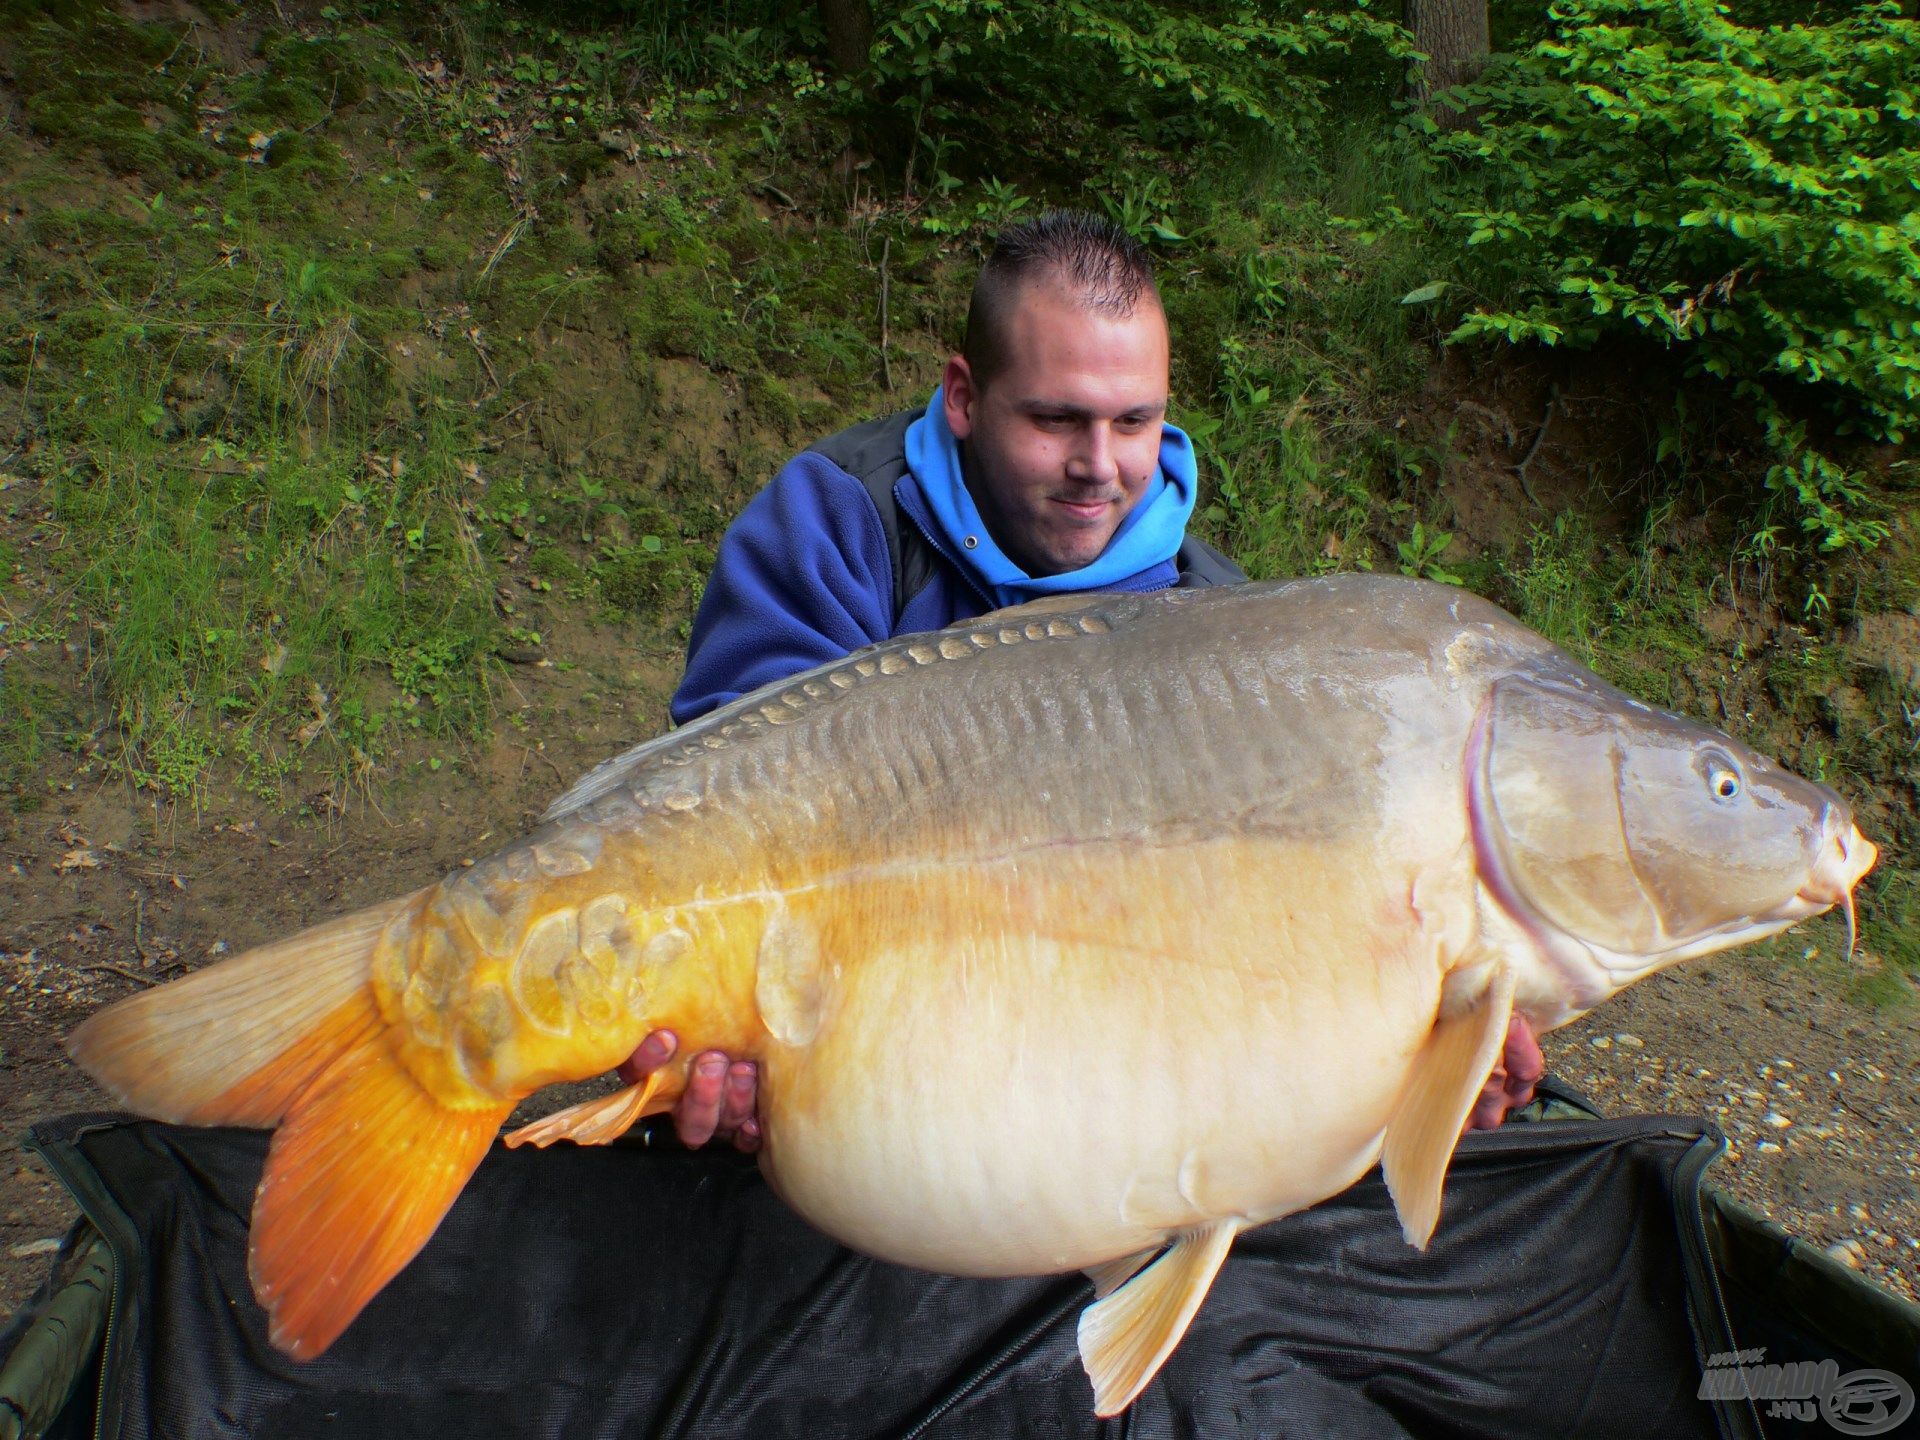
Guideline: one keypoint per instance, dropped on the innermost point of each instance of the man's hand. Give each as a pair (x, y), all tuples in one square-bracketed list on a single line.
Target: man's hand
[(719, 1098), (1510, 1086)]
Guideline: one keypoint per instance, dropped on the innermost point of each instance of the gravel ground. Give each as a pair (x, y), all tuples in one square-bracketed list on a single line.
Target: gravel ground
[(1819, 1098)]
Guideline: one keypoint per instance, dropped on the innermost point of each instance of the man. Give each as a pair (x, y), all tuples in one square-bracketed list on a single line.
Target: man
[(1043, 465)]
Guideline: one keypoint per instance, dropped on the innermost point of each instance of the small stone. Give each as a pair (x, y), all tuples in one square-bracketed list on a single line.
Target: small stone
[(1776, 1120), (1860, 1213), (1848, 1252), (1631, 1042), (1767, 1147), (1601, 1042), (27, 1249)]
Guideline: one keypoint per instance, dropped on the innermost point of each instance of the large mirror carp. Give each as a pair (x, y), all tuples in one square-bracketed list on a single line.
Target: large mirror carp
[(1077, 934)]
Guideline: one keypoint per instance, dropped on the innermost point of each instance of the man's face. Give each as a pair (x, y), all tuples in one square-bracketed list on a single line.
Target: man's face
[(1062, 443)]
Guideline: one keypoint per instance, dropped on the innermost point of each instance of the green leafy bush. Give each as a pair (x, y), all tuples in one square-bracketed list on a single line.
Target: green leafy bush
[(1652, 167), (1081, 81)]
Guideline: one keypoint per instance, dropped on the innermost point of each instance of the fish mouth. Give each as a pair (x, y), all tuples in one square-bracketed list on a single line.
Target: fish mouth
[(1845, 857)]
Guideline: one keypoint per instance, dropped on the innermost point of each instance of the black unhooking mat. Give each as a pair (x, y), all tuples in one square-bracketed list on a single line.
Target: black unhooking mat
[(624, 1292)]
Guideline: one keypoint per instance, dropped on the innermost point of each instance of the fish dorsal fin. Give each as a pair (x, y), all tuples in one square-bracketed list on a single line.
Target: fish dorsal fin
[(1447, 1076), (1127, 1337), (609, 775)]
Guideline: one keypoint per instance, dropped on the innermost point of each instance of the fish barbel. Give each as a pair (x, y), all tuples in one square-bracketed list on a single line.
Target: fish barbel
[(1307, 845)]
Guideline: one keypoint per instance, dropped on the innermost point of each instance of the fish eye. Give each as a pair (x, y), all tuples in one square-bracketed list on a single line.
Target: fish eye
[(1723, 779)]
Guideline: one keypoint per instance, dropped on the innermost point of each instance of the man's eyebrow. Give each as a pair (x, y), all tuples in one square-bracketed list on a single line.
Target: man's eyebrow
[(1081, 412)]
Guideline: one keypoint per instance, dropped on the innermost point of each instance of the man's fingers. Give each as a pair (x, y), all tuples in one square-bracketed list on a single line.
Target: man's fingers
[(697, 1115), (736, 1105), (719, 1098), (1491, 1107), (1510, 1086), (656, 1050), (1522, 1058), (1522, 1061)]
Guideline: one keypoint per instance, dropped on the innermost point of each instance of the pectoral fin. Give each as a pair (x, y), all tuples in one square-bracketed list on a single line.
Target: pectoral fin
[(1125, 1338), (1446, 1078), (602, 1120)]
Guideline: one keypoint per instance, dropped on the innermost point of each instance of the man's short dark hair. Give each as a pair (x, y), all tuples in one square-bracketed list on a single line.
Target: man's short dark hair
[(1088, 256)]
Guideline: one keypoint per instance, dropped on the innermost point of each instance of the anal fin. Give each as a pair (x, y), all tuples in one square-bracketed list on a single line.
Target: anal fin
[(1446, 1078), (601, 1120), (1127, 1337)]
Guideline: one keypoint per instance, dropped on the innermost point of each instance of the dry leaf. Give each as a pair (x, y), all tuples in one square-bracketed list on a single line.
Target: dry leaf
[(78, 860)]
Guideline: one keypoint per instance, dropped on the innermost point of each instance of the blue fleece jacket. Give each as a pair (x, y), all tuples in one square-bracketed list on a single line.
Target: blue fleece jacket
[(804, 576)]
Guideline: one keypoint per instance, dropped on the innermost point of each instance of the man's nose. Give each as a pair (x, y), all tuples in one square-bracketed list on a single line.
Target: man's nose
[(1093, 458)]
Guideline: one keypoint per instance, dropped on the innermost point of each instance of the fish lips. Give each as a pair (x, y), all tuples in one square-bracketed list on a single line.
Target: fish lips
[(1844, 861)]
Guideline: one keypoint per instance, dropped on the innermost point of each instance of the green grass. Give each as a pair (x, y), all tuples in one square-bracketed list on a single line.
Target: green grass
[(1890, 930), (269, 536)]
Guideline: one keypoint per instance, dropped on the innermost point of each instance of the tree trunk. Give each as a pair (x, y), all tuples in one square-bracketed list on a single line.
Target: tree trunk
[(849, 26), (1456, 38)]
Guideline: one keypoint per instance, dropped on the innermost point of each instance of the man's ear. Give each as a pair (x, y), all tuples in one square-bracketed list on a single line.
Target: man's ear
[(958, 396)]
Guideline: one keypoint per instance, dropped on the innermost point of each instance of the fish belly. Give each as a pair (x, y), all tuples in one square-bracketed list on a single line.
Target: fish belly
[(1038, 1062)]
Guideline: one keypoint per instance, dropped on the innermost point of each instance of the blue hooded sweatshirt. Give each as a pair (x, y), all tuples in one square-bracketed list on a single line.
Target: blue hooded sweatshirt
[(805, 576)]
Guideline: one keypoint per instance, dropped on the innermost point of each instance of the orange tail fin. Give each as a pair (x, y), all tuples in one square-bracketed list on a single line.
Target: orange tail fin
[(234, 1043), (361, 1173), (366, 1162)]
